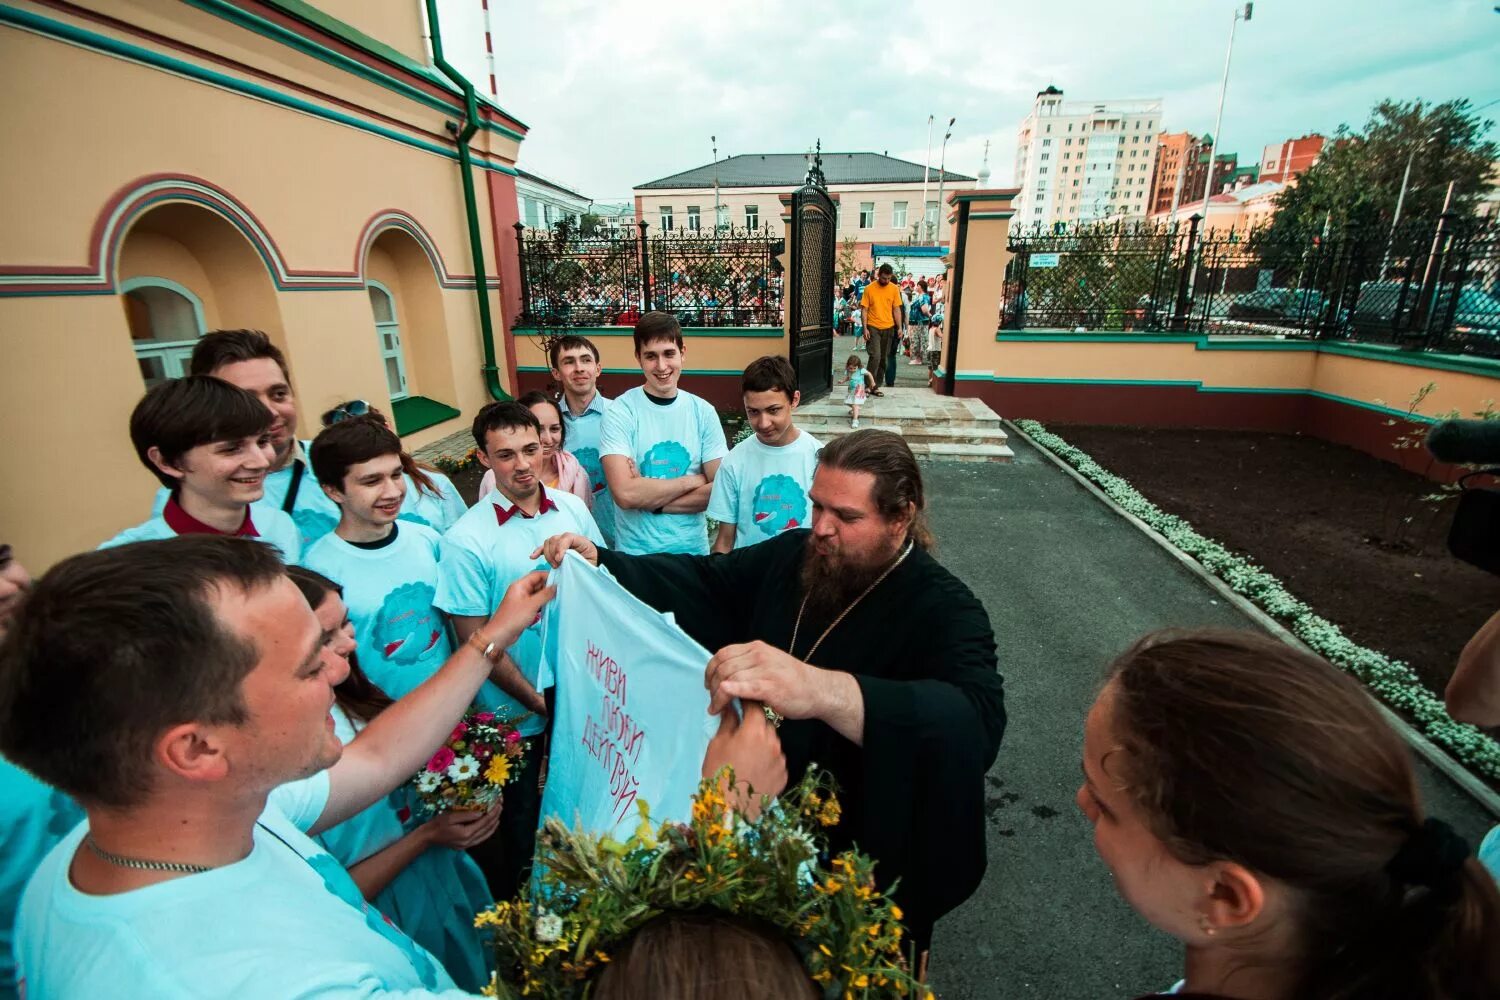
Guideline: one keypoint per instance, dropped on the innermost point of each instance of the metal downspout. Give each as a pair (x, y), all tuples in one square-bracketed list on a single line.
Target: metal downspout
[(471, 125)]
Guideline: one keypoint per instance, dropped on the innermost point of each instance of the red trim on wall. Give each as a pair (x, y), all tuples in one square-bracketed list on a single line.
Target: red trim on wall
[(286, 20), (1184, 406), (504, 214), (206, 55)]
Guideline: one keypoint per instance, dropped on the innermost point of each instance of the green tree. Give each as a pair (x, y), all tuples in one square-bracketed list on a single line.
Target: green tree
[(589, 224), (847, 262), (1357, 179)]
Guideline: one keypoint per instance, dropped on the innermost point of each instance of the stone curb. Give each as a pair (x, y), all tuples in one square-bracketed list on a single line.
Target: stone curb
[(1424, 747)]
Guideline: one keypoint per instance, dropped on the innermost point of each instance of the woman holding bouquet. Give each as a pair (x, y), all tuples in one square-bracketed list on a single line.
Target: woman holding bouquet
[(416, 873)]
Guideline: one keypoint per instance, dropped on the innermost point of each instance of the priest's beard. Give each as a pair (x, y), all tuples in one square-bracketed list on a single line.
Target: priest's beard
[(831, 582)]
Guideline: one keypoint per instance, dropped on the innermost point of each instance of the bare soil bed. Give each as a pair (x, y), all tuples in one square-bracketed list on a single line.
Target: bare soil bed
[(1345, 532)]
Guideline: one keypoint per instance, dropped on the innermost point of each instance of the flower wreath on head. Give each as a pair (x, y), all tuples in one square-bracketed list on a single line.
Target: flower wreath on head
[(597, 891)]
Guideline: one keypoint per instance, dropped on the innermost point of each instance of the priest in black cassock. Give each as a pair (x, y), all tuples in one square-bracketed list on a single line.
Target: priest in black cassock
[(880, 662)]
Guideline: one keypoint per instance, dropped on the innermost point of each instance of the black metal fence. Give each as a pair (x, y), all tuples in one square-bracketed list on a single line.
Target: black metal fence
[(1430, 284), (724, 278)]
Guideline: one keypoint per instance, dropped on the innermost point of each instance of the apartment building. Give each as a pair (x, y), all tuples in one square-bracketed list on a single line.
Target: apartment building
[(1084, 161)]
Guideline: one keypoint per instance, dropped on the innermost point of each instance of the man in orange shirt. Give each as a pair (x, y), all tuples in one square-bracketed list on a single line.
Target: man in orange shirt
[(881, 303)]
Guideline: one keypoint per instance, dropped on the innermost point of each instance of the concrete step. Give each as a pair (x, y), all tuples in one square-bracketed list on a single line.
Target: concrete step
[(915, 433), (895, 410), (923, 447)]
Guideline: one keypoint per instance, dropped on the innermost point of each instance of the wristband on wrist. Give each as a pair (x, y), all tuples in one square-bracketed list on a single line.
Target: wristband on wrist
[(487, 647)]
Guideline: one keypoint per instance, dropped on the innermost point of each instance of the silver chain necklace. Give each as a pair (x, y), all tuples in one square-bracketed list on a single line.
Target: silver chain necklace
[(776, 717), (146, 866)]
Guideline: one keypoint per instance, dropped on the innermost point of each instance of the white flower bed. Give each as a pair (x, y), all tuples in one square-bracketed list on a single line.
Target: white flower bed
[(1392, 681)]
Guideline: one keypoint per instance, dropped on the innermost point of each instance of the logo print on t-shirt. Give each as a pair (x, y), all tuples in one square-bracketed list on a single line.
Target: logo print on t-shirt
[(666, 460), (406, 626), (779, 504), (589, 459), (337, 881), (312, 524)]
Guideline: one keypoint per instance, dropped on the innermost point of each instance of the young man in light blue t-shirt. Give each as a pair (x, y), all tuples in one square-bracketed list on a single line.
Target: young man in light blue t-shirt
[(576, 367), (208, 443), (762, 487), (194, 874), (248, 359), (490, 546), (661, 447), (388, 567)]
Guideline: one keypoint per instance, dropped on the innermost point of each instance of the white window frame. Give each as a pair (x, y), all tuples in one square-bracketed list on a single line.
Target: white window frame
[(694, 217), (867, 215), (752, 216), (666, 218), (721, 220), (393, 329), (898, 215), (174, 354)]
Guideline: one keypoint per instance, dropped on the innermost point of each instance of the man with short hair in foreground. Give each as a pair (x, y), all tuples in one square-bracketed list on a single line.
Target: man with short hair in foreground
[(180, 691), (881, 662)]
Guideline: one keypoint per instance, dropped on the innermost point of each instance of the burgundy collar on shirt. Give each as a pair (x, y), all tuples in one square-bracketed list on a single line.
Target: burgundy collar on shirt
[(503, 514), (183, 523)]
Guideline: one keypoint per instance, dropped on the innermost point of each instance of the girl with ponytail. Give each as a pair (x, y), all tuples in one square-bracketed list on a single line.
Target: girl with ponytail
[(1251, 801)]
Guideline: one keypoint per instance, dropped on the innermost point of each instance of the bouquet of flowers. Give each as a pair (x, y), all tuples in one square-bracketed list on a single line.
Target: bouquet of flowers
[(479, 758)]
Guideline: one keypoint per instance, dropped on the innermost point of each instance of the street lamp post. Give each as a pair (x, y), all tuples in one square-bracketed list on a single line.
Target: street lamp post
[(1400, 201), (715, 140), (1213, 145), (926, 166), (937, 230)]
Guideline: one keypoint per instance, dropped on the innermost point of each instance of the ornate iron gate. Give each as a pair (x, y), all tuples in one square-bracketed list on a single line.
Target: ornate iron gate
[(809, 300)]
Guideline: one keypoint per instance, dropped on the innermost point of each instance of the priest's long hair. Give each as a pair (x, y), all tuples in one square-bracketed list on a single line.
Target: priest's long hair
[(898, 479)]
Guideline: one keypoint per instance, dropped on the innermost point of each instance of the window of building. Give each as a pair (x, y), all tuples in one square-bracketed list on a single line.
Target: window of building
[(694, 216), (932, 214), (1046, 142), (1043, 170), (1068, 142), (898, 212), (752, 216), (1075, 184), (867, 215), (388, 332), (1070, 128), (165, 321), (666, 218), (721, 217), (1049, 128)]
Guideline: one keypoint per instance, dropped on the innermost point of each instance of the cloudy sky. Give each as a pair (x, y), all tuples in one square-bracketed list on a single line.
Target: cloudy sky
[(619, 92)]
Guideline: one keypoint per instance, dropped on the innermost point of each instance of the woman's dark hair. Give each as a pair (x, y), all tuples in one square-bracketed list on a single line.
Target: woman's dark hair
[(536, 396), (898, 489), (359, 439), (358, 696), (706, 955), (178, 415), (114, 647), (1237, 747)]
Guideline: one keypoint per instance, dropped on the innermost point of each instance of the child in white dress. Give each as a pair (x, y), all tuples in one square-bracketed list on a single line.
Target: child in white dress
[(859, 381)]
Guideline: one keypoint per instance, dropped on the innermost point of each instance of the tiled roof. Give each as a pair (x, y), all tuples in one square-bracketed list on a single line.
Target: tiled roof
[(788, 170)]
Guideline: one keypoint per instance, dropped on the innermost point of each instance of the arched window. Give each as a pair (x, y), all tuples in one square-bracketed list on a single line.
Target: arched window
[(165, 320), (388, 330)]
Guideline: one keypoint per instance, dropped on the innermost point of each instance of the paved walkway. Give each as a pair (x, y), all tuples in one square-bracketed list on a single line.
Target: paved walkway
[(906, 375), (1068, 584)]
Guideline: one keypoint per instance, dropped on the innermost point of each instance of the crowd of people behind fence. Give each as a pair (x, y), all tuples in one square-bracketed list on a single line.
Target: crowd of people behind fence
[(915, 331), (209, 752)]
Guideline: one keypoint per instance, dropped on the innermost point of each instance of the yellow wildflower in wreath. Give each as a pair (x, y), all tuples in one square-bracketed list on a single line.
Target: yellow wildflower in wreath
[(595, 893)]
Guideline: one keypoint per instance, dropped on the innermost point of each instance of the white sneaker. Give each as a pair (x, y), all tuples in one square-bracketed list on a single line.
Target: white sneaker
[(854, 424)]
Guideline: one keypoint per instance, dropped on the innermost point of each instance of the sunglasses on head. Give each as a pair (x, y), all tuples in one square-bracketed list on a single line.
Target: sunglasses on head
[(346, 411)]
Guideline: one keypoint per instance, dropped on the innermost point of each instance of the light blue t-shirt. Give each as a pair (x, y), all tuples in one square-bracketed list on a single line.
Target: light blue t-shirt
[(403, 638), (665, 442), (286, 921), (1489, 852), (35, 817), (762, 490), (434, 898), (272, 526), (437, 512), (481, 557), (583, 440)]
